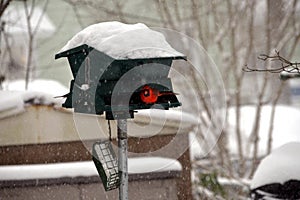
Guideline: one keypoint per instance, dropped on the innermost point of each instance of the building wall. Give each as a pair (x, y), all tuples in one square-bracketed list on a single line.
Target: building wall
[(156, 189)]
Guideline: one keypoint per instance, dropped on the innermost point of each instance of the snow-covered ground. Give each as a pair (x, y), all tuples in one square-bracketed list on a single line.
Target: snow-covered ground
[(123, 41), (286, 126), (286, 129)]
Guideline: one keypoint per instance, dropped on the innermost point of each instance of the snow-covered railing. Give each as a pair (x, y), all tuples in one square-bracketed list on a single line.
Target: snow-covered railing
[(12, 174)]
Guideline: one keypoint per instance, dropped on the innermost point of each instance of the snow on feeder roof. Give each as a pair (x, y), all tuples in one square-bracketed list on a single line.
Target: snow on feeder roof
[(123, 41)]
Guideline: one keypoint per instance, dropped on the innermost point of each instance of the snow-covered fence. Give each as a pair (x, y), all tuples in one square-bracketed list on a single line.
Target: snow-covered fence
[(79, 180)]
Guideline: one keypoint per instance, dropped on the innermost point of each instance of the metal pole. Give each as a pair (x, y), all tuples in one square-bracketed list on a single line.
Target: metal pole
[(123, 156)]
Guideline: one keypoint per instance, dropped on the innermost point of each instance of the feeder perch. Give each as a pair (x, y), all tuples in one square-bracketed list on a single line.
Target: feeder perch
[(107, 164)]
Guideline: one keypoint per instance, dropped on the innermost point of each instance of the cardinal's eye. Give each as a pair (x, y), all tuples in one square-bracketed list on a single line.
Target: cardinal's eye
[(146, 93)]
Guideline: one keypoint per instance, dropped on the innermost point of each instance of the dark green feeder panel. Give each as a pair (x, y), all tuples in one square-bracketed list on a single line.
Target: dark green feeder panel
[(96, 75)]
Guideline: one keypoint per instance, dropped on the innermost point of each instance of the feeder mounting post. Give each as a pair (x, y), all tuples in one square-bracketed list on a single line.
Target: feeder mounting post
[(123, 158)]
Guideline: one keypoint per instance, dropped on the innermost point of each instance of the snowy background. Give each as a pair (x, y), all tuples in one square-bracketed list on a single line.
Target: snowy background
[(261, 112)]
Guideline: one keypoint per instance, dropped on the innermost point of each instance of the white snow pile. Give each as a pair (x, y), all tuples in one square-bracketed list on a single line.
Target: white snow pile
[(123, 41), (50, 87), (14, 102), (10, 104), (282, 165), (85, 168), (40, 92)]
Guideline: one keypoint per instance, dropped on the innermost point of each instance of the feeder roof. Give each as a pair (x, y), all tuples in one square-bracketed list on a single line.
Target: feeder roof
[(123, 41)]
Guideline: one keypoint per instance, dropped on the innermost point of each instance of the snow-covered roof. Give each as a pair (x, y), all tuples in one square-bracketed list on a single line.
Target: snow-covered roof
[(123, 41), (85, 168), (281, 165)]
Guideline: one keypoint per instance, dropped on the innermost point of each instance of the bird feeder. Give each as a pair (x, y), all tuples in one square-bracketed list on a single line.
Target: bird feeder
[(117, 87), (96, 75)]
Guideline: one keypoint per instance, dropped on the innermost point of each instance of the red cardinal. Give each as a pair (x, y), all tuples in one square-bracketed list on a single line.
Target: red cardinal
[(150, 95)]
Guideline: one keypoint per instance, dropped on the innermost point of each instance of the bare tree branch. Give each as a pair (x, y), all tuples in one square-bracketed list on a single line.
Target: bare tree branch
[(31, 31), (3, 5), (285, 64)]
